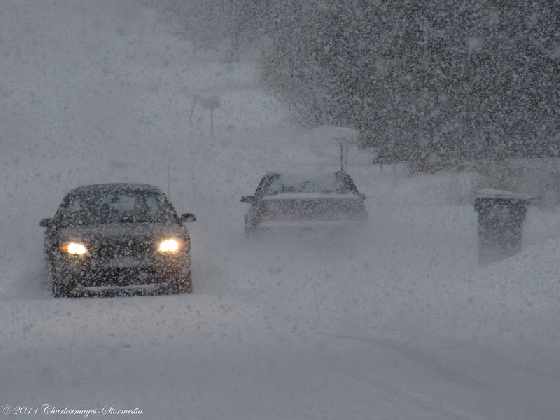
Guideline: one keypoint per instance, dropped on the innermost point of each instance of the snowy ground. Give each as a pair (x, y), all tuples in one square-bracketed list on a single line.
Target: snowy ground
[(392, 322)]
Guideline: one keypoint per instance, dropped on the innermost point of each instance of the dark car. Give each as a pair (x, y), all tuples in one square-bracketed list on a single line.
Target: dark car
[(283, 200), (117, 239)]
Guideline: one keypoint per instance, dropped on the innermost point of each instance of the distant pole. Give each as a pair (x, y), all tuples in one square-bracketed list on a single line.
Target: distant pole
[(191, 113), (211, 103), (168, 167), (168, 178), (341, 147)]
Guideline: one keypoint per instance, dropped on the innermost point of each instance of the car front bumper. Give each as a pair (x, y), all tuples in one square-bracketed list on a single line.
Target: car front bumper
[(123, 276), (113, 290)]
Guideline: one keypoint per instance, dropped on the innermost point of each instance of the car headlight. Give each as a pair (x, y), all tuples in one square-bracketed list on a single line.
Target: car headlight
[(74, 248), (169, 246)]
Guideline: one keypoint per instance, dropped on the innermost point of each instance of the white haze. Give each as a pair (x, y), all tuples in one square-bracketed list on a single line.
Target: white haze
[(392, 322)]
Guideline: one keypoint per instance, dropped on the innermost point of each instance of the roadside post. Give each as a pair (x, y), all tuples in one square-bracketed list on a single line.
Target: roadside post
[(210, 103), (322, 139), (500, 224)]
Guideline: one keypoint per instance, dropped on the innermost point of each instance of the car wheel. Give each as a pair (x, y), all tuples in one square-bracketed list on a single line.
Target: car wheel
[(186, 285), (181, 285), (59, 288), (250, 229), (56, 288)]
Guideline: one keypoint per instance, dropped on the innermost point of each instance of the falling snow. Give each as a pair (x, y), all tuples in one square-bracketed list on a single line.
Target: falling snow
[(358, 279)]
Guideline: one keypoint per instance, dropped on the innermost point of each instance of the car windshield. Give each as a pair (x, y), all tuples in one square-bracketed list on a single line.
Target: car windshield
[(104, 207), (328, 184)]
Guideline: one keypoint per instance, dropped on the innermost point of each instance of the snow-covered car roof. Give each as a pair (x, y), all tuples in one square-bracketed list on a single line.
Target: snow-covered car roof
[(113, 187), (305, 183), (502, 194), (308, 196)]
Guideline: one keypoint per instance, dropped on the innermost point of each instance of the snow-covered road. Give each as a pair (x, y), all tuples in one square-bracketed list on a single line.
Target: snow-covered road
[(392, 322)]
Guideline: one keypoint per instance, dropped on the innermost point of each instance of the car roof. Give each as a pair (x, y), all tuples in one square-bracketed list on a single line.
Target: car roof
[(307, 174), (324, 182), (114, 187), (298, 177)]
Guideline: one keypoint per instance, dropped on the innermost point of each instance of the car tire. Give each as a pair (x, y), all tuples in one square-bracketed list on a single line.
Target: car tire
[(250, 228), (182, 285), (187, 286), (57, 290), (58, 287)]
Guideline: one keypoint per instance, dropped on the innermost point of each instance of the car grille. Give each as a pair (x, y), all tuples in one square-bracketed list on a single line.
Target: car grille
[(121, 277), (125, 277), (136, 247)]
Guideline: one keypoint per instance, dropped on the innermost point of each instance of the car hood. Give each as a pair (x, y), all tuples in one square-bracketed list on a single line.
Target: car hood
[(121, 230)]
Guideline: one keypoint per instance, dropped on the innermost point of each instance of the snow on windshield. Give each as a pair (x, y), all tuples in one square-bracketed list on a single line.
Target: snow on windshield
[(104, 207), (327, 183)]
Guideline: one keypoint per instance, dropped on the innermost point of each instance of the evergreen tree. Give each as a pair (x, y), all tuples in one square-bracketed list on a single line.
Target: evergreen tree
[(467, 79)]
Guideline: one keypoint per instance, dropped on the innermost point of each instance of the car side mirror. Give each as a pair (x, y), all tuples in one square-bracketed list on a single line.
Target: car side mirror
[(248, 199), (45, 223), (187, 218)]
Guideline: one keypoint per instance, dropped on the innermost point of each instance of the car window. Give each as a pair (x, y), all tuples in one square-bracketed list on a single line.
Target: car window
[(330, 183), (116, 207), (122, 202)]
